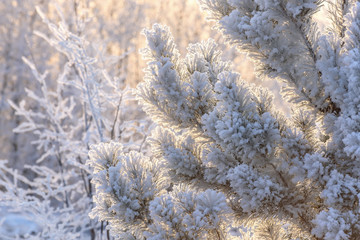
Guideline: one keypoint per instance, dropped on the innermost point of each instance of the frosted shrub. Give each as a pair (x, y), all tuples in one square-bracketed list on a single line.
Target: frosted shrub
[(228, 161), (56, 193)]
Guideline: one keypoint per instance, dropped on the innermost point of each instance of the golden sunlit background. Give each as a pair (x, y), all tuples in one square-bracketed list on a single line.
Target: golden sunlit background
[(112, 29)]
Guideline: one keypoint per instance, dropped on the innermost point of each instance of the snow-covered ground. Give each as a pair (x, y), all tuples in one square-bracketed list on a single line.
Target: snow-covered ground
[(16, 226)]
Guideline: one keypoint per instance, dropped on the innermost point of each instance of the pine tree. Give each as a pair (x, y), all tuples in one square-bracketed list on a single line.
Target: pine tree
[(225, 163)]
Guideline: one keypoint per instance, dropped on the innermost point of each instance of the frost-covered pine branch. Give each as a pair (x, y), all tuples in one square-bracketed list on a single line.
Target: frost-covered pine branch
[(222, 138)]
